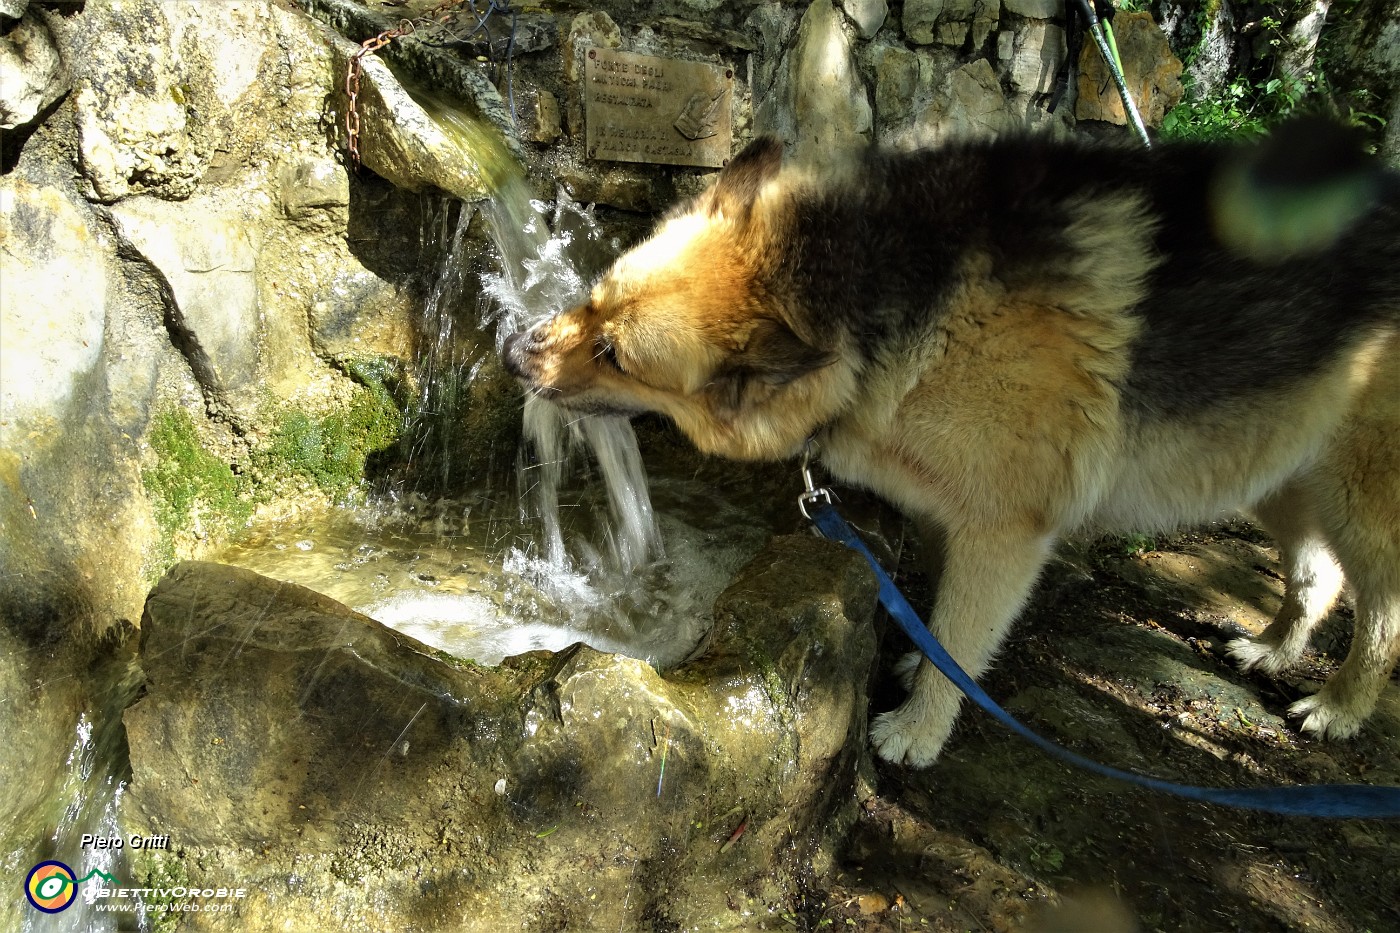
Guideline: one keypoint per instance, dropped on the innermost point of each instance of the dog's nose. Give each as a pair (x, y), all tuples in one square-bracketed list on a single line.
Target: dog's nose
[(517, 349)]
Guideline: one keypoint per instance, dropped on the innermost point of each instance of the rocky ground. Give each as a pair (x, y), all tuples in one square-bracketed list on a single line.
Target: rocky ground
[(1121, 657)]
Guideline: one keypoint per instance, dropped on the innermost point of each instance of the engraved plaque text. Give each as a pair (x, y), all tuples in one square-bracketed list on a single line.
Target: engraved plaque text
[(640, 108)]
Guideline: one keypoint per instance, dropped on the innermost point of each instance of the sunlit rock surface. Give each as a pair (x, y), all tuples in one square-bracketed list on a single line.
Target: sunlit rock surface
[(340, 770)]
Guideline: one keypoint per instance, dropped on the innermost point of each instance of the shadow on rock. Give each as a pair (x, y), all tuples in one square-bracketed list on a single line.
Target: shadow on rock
[(337, 769)]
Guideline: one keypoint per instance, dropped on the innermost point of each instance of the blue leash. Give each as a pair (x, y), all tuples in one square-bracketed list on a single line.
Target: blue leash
[(1326, 800)]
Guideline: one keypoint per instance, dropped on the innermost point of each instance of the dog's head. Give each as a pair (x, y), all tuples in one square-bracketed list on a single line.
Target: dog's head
[(697, 324)]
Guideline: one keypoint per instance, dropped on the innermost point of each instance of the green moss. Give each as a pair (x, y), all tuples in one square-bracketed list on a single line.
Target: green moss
[(331, 450), (196, 493), (189, 486), (164, 872)]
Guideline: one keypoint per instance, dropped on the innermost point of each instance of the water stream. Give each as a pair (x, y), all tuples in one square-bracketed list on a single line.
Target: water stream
[(576, 551)]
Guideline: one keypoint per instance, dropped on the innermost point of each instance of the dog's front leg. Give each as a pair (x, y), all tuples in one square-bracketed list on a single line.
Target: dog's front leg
[(986, 577)]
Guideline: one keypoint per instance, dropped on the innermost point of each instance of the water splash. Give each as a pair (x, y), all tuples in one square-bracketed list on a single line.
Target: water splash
[(539, 277), (541, 272), (487, 577), (459, 574), (95, 779)]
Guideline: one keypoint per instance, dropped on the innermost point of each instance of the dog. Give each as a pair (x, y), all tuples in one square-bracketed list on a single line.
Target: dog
[(1015, 339)]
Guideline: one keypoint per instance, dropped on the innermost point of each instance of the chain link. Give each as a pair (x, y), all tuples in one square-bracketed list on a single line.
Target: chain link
[(438, 15)]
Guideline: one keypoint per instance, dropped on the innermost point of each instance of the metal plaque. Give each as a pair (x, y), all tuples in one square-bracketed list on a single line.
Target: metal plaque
[(640, 108)]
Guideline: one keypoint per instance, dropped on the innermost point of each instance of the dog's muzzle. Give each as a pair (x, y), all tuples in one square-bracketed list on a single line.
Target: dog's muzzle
[(518, 351)]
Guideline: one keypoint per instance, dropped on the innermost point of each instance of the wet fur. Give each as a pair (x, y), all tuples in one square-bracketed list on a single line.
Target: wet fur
[(1018, 339)]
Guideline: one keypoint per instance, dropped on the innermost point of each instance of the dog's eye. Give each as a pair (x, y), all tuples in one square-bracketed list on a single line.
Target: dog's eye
[(608, 353)]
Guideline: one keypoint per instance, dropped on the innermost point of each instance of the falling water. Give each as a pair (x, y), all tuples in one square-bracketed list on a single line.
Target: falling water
[(539, 276), (485, 574), (95, 775)]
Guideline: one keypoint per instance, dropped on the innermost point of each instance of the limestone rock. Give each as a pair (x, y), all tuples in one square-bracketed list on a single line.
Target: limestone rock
[(134, 107), (208, 260), (1035, 9), (283, 735), (775, 25), (52, 315), (819, 100), (1210, 37), (1030, 57), (950, 22), (622, 186), (309, 183), (404, 143), (32, 75), (867, 15), (970, 103), (896, 81), (14, 9), (542, 119), (588, 30), (1152, 73)]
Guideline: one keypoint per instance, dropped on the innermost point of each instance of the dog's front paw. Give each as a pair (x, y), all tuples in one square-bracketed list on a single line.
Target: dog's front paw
[(1328, 716), (1251, 654), (905, 737)]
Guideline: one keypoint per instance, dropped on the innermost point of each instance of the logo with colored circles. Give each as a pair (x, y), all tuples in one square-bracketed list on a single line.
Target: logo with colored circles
[(51, 887)]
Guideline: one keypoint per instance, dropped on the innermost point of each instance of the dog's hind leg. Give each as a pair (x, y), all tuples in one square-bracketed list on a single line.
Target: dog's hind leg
[(1357, 487), (986, 578), (1312, 580)]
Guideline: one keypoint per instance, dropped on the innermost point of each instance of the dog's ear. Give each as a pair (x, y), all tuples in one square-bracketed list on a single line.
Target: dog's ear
[(738, 184), (772, 356)]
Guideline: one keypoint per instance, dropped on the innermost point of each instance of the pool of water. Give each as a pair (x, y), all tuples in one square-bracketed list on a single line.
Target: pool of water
[(468, 575)]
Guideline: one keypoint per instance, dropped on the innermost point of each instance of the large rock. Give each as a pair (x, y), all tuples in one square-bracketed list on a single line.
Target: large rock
[(1151, 71), (32, 75), (819, 100), (337, 769), (52, 312), (950, 22), (206, 254), (423, 143)]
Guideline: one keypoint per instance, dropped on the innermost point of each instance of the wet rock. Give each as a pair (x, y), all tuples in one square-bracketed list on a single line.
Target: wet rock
[(404, 144), (330, 764), (619, 186), (32, 75), (1152, 73), (543, 122)]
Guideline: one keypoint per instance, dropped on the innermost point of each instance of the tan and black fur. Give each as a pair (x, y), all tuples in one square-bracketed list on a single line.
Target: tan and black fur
[(1017, 339)]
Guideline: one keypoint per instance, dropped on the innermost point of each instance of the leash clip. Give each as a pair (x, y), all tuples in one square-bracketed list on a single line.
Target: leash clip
[(812, 493)]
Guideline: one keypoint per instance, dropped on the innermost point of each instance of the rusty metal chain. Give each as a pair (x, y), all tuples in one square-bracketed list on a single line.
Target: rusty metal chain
[(437, 15)]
